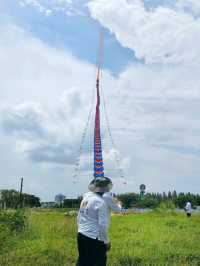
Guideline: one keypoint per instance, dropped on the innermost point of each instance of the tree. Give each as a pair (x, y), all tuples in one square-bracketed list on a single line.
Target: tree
[(11, 199), (128, 199), (31, 201), (72, 203), (169, 195)]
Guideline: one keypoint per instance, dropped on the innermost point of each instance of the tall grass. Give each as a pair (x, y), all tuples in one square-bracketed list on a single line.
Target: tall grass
[(155, 239), (158, 238), (48, 240)]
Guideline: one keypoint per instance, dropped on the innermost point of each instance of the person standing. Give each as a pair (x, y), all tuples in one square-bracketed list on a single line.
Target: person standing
[(188, 209), (93, 222)]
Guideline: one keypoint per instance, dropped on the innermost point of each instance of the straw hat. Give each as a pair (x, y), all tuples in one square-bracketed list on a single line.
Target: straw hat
[(100, 184)]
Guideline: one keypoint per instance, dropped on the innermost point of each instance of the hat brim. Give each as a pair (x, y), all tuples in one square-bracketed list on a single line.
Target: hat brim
[(100, 185)]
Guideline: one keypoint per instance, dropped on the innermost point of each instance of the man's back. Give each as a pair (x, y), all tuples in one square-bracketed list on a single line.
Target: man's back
[(93, 222), (88, 217)]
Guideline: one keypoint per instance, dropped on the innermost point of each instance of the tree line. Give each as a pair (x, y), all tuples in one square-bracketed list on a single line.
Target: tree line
[(149, 200), (72, 203), (153, 200), (10, 198)]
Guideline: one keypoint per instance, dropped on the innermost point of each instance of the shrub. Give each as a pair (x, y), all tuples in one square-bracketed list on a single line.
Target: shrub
[(148, 202), (13, 220), (4, 236), (167, 205)]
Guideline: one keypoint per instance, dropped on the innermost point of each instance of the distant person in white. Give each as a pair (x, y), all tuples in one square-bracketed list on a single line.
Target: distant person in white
[(93, 222), (188, 209)]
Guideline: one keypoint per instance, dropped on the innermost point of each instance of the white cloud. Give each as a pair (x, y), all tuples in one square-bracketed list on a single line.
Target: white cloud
[(160, 35), (51, 7), (46, 134), (25, 118), (45, 104), (45, 95), (39, 70), (35, 3), (192, 6)]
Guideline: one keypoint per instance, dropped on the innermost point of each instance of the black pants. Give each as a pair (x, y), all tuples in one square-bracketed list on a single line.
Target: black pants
[(92, 252)]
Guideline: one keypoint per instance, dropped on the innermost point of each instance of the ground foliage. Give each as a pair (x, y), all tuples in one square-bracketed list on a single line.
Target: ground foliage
[(156, 238), (15, 220), (12, 223)]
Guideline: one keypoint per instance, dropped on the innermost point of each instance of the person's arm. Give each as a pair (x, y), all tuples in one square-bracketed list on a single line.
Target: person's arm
[(103, 225), (112, 203)]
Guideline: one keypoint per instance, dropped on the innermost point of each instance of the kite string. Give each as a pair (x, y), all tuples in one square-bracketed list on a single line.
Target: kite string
[(80, 151), (117, 159)]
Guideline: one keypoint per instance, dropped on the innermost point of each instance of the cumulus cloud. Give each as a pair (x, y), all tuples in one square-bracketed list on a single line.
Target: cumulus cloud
[(161, 35), (24, 119), (51, 7), (144, 105), (35, 3), (43, 102), (46, 95), (38, 135), (162, 94), (191, 6), (48, 109), (158, 93)]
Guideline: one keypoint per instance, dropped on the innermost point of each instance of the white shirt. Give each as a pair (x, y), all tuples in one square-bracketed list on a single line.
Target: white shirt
[(93, 217), (188, 207), (111, 205)]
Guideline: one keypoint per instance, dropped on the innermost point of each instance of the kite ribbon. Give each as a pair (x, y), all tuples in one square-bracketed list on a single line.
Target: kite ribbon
[(98, 158)]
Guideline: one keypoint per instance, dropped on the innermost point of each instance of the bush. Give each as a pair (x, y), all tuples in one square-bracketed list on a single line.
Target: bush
[(148, 202), (4, 236), (13, 220), (167, 205), (128, 199)]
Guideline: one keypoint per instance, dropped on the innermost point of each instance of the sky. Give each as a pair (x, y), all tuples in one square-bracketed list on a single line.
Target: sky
[(149, 89)]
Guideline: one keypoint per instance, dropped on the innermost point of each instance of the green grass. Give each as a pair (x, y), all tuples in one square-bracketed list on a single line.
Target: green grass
[(140, 239)]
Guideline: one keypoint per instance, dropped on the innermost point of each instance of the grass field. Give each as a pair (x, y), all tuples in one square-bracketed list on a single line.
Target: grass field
[(137, 239)]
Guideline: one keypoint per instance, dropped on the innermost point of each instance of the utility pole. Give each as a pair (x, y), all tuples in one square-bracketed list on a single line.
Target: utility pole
[(20, 194)]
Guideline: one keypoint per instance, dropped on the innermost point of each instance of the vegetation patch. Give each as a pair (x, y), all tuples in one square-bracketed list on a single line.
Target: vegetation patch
[(12, 223), (14, 220), (130, 261), (156, 239)]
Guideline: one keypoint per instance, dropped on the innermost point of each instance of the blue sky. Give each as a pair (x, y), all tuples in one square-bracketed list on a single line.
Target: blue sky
[(151, 83), (77, 33)]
